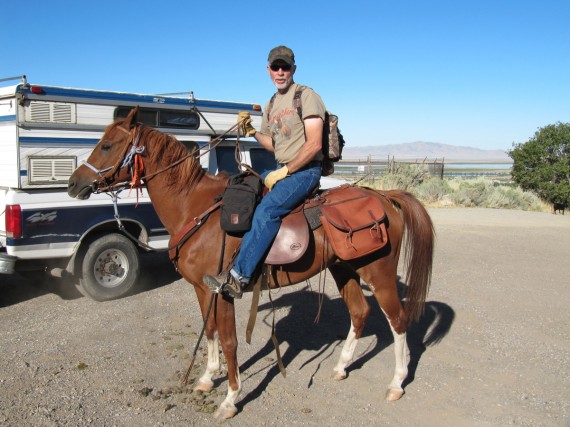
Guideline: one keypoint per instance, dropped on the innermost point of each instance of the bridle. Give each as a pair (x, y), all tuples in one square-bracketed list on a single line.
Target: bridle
[(133, 158), (129, 158)]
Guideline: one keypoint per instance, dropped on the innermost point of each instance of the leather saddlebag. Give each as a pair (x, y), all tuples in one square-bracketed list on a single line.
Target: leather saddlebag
[(354, 222)]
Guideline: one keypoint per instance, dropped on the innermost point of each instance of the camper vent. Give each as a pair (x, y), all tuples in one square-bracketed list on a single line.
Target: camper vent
[(50, 170), (50, 112)]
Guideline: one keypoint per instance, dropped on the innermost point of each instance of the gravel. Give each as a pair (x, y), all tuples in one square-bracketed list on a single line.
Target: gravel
[(493, 347)]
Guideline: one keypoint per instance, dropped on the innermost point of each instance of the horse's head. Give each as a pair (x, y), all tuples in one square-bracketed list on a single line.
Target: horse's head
[(110, 161)]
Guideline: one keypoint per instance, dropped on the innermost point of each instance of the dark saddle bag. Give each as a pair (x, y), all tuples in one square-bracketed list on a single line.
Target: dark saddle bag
[(239, 200)]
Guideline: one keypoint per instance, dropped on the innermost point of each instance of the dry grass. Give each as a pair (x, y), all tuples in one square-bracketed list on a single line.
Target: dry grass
[(458, 192)]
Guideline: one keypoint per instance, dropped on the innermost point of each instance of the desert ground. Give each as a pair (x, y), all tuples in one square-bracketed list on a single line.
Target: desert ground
[(492, 349)]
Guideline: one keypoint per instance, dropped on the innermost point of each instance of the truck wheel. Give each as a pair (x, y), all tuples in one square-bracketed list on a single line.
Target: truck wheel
[(110, 268)]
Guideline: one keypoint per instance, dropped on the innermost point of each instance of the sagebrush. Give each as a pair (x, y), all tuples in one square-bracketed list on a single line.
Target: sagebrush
[(459, 192)]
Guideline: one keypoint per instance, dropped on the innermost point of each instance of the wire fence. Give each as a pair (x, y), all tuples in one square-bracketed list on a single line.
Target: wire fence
[(355, 169)]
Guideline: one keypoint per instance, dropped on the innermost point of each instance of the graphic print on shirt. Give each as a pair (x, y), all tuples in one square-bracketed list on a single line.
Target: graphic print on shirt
[(281, 124)]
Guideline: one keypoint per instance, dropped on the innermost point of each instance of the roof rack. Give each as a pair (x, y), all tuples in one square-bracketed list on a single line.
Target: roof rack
[(22, 77)]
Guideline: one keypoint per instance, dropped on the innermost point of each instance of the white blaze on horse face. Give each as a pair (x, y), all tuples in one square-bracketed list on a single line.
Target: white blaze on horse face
[(346, 354)]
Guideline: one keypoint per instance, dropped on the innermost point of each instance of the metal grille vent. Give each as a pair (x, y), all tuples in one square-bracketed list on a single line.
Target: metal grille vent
[(50, 170), (51, 112)]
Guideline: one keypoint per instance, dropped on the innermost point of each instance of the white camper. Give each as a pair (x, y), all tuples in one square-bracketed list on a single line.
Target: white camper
[(46, 132)]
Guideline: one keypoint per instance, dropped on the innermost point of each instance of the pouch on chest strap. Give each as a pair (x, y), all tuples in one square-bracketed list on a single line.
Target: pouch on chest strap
[(238, 203)]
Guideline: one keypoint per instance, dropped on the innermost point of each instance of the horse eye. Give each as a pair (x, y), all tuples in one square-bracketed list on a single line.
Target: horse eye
[(106, 147)]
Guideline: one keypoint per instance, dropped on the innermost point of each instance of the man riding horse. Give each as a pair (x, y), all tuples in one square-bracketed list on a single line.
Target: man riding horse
[(296, 143)]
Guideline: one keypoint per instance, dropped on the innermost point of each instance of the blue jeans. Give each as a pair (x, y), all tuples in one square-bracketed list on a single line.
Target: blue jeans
[(286, 195)]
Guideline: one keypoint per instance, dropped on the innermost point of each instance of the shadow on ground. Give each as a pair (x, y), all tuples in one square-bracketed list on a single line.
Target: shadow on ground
[(156, 271), (300, 331)]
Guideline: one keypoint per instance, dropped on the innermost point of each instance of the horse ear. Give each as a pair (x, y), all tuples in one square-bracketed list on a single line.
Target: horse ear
[(132, 118)]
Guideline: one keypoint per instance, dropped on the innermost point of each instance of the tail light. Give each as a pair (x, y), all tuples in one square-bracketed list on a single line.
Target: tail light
[(37, 89), (14, 221)]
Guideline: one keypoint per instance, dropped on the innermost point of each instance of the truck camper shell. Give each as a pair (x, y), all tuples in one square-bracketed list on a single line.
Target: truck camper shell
[(46, 132)]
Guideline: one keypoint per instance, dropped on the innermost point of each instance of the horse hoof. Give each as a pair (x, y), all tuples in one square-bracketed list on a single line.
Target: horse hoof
[(202, 386), (225, 413), (393, 395), (339, 376)]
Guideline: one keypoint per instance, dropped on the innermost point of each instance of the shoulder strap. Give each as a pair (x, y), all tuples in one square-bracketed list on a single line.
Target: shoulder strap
[(270, 106), (297, 103)]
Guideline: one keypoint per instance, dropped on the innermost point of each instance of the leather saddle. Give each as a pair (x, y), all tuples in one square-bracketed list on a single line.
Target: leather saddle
[(354, 224), (291, 241)]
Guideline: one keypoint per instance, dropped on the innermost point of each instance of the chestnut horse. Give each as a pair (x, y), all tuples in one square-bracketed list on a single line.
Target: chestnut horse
[(181, 191)]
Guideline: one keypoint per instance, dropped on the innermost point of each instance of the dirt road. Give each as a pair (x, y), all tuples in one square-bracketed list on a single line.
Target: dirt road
[(493, 347)]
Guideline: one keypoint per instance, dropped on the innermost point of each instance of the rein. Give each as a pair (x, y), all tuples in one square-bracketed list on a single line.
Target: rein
[(133, 159)]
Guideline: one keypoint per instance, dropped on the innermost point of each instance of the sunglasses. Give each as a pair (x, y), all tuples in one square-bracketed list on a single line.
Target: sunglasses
[(284, 67)]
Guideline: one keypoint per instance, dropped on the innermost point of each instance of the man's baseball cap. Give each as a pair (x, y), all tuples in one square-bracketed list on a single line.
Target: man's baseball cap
[(282, 53)]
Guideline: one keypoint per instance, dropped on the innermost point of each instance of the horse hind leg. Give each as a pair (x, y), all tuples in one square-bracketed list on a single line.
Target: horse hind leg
[(402, 354), (348, 284), (382, 280)]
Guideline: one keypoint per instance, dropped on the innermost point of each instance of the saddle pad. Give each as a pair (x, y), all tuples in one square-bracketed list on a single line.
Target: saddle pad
[(354, 222)]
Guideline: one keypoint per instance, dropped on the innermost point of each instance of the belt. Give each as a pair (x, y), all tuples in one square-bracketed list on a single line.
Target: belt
[(312, 164)]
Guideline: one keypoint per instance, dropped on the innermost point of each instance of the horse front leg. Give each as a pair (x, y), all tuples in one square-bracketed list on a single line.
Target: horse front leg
[(225, 319), (205, 382)]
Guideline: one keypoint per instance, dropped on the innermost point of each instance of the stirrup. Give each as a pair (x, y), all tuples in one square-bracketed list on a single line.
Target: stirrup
[(228, 286), (232, 289)]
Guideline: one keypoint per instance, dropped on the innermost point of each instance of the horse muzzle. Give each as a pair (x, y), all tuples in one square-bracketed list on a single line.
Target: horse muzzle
[(78, 191)]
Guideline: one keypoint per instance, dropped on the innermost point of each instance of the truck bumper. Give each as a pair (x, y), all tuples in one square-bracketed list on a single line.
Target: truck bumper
[(7, 264)]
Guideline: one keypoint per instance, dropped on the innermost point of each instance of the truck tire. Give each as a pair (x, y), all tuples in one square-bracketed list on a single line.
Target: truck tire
[(110, 268)]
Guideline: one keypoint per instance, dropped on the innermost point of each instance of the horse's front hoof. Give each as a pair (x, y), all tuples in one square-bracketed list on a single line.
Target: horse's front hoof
[(393, 395), (225, 412), (339, 376)]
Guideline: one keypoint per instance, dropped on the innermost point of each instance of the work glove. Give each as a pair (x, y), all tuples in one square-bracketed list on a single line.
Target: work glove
[(244, 123), (272, 178)]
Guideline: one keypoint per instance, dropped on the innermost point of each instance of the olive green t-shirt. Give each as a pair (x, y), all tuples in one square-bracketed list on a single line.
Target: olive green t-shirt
[(284, 125)]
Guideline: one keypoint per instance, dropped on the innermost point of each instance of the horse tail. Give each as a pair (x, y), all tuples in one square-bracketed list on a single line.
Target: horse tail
[(418, 249)]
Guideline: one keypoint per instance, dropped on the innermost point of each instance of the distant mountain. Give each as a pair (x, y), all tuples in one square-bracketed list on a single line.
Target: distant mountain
[(425, 150)]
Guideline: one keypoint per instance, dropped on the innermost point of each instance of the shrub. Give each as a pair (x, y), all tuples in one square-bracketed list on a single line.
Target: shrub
[(473, 192), (403, 177), (513, 198), (432, 190), (463, 192)]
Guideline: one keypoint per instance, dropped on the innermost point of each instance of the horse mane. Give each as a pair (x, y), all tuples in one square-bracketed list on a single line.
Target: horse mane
[(163, 150)]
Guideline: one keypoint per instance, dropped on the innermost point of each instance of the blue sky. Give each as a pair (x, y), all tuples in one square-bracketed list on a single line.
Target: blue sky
[(480, 73)]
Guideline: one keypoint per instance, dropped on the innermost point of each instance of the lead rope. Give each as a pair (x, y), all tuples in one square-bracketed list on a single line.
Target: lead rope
[(186, 377), (114, 197)]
